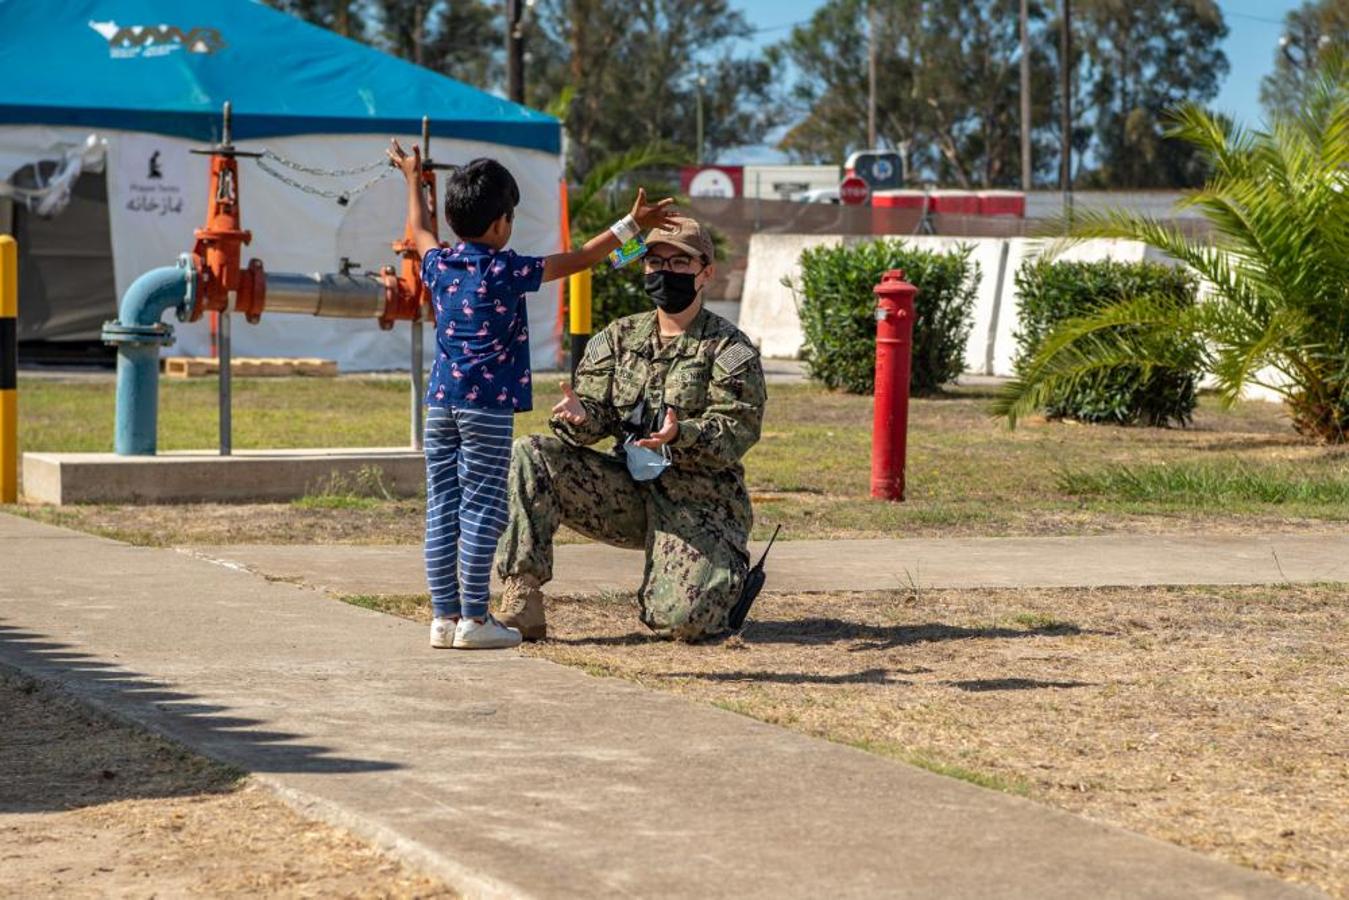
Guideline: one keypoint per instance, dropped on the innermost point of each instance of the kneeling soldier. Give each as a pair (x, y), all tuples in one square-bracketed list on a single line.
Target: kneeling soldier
[(682, 391)]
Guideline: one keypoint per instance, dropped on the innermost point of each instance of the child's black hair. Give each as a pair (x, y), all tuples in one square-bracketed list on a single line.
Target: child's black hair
[(477, 194)]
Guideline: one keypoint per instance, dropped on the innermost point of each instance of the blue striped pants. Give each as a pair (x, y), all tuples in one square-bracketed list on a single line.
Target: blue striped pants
[(468, 452)]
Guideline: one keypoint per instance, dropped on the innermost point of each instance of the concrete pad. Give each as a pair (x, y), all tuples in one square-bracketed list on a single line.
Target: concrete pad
[(866, 565), (510, 776), (205, 476)]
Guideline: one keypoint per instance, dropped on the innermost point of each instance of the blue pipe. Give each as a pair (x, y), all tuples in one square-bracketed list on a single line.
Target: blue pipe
[(138, 334)]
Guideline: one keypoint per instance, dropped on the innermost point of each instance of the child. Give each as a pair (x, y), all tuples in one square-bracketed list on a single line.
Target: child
[(481, 378)]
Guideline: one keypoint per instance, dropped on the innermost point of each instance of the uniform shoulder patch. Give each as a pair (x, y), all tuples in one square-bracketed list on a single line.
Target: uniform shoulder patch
[(598, 348), (734, 357)]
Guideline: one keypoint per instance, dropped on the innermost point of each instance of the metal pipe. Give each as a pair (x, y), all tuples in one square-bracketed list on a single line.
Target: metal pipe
[(417, 387), (226, 396), (138, 334), (1025, 98), (1066, 120), (331, 295), (579, 324), (894, 359)]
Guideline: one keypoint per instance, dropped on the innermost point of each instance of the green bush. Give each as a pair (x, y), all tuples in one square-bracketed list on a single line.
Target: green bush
[(617, 293), (838, 311), (1056, 292)]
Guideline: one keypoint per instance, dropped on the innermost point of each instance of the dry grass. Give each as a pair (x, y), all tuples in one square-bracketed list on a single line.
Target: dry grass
[(90, 808), (1213, 718)]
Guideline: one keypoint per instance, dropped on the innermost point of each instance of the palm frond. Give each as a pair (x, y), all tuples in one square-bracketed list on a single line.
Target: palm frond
[(588, 199), (1143, 332)]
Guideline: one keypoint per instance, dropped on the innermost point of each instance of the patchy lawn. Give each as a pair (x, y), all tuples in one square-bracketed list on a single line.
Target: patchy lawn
[(1213, 718), (968, 475), (90, 808)]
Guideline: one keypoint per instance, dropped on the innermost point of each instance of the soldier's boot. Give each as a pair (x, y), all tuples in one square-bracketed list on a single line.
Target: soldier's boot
[(522, 607)]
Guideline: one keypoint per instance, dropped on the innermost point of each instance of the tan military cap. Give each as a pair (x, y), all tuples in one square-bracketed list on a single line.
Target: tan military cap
[(686, 234)]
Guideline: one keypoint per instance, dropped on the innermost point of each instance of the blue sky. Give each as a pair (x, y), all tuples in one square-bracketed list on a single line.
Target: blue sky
[(1253, 25)]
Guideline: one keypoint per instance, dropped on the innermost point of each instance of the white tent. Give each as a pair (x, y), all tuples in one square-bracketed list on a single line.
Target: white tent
[(134, 96)]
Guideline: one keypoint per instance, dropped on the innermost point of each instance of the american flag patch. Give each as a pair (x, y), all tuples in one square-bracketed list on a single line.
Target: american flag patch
[(598, 349), (734, 357)]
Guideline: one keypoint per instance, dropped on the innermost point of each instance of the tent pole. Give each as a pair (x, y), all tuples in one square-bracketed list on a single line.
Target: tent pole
[(415, 425)]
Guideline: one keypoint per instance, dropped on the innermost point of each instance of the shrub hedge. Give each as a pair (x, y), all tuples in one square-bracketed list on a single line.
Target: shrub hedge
[(1054, 292), (838, 308)]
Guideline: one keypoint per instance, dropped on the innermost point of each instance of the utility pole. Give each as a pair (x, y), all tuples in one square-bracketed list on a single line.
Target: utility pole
[(1025, 99), (418, 24), (515, 51), (702, 83), (1066, 64), (871, 75)]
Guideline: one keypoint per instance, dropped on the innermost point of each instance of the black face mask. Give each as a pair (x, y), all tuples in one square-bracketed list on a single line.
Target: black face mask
[(672, 292)]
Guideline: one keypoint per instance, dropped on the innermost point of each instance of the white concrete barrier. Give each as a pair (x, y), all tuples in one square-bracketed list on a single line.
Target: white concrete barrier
[(1021, 249), (768, 310), (990, 255), (769, 314)]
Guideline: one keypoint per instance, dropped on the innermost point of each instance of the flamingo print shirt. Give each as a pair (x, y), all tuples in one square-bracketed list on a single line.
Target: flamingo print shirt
[(482, 329)]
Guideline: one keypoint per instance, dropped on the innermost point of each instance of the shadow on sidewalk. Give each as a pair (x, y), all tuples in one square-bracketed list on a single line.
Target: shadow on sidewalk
[(124, 695)]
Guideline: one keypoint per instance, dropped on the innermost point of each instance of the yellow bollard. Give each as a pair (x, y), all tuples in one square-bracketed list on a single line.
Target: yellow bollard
[(578, 291), (9, 370)]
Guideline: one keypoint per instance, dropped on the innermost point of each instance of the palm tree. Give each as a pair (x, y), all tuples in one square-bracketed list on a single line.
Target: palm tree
[(1276, 267)]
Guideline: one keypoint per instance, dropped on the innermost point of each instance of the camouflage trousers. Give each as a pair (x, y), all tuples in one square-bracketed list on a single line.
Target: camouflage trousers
[(696, 553)]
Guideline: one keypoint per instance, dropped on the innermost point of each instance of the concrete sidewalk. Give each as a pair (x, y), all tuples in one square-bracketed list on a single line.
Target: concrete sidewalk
[(511, 776), (867, 565)]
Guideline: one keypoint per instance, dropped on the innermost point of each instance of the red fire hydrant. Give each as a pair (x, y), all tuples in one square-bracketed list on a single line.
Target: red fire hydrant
[(894, 355)]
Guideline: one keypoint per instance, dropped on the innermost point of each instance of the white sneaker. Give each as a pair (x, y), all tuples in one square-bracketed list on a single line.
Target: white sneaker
[(489, 634), (442, 632)]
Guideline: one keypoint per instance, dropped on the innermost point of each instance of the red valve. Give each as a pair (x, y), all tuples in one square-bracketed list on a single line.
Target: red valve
[(894, 356), (404, 294), (220, 243)]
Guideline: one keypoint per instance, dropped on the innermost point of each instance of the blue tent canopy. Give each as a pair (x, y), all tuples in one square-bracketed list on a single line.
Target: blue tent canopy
[(165, 66)]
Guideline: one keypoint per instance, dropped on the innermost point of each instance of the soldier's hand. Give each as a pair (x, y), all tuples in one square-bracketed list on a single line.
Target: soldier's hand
[(651, 215), (668, 432), (569, 408)]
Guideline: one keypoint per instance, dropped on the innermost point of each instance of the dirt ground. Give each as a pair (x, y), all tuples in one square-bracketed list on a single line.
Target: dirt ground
[(1213, 718), (92, 808)]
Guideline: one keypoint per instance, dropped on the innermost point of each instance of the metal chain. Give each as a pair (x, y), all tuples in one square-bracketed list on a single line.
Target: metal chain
[(342, 196), (314, 170)]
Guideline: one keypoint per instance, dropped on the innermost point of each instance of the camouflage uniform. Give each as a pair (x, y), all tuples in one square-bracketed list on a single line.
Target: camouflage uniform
[(694, 520)]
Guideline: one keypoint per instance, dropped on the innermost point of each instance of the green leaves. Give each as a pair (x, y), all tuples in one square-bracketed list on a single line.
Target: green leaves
[(1275, 309), (605, 195), (837, 308), (1086, 358)]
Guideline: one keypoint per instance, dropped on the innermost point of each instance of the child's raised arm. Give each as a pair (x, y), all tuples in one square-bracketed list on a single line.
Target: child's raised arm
[(418, 218), (643, 217)]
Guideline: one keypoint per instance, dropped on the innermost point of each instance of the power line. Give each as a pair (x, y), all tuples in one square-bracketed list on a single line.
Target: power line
[(1237, 15), (779, 27)]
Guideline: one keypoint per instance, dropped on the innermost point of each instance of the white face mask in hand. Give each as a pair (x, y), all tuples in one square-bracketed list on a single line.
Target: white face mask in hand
[(645, 464)]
